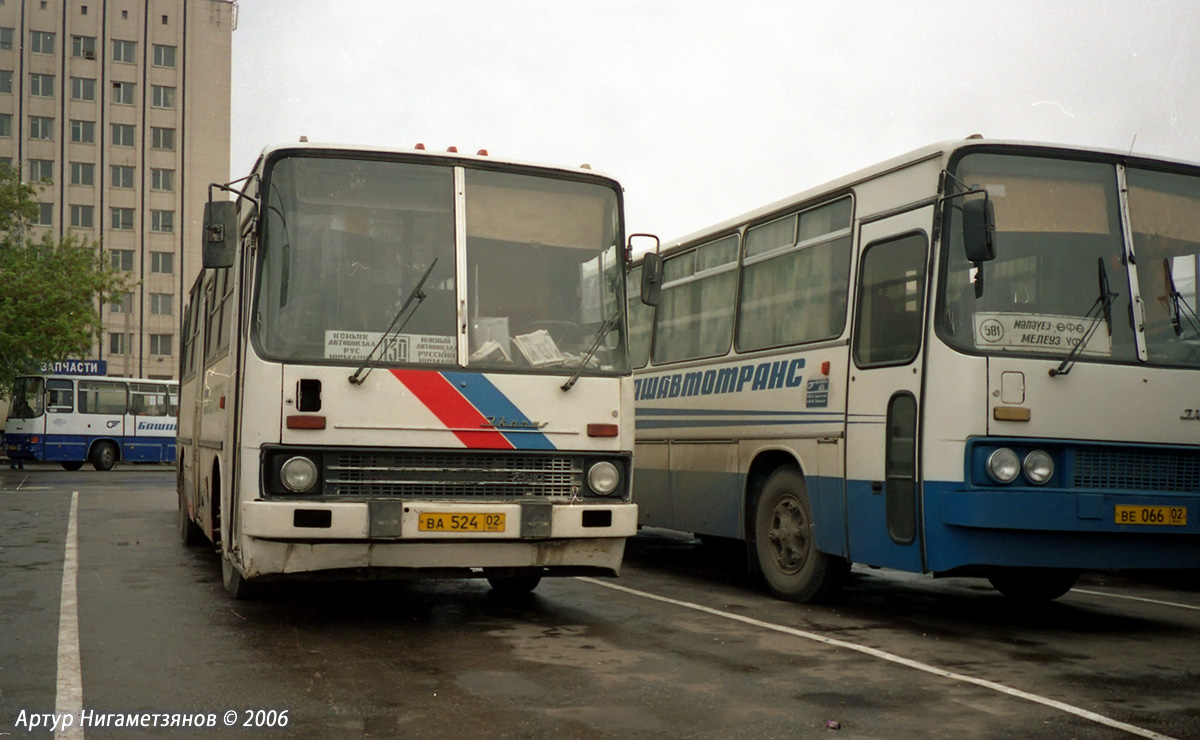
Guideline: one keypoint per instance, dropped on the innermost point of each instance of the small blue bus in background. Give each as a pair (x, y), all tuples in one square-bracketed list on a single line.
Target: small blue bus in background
[(73, 419)]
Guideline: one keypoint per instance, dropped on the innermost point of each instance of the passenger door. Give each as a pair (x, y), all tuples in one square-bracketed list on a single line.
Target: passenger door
[(884, 392)]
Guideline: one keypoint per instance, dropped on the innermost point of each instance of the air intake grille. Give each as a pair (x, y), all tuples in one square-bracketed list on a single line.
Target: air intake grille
[(1137, 470), (448, 474)]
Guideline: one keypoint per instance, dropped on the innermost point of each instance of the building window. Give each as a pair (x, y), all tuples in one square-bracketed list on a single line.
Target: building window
[(83, 173), (6, 124), (118, 344), (40, 170), (41, 86), (124, 51), (83, 10), (83, 88), (164, 56), (45, 214), (122, 134), (122, 220), (5, 81), (122, 176), (164, 20), (162, 138), (162, 96), (162, 222), (124, 92), (83, 47), (122, 259), (41, 42), (83, 132), (83, 217), (161, 304), (6, 39), (162, 262), (162, 180), (122, 303), (160, 344), (41, 127)]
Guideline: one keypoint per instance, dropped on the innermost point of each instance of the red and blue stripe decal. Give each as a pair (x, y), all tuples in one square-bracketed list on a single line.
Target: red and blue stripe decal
[(468, 404)]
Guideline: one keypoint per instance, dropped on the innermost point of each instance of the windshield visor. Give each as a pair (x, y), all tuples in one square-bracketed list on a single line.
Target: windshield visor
[(1058, 229)]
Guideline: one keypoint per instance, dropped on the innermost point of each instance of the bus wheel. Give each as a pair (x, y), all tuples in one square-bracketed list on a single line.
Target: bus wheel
[(72, 464), (235, 583), (783, 538), (1030, 585), (513, 585), (104, 456), (190, 534)]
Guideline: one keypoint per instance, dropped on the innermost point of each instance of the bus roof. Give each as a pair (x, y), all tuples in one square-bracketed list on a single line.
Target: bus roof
[(443, 157), (943, 149)]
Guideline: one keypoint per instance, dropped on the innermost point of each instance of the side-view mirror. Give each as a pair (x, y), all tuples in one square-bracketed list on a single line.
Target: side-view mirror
[(652, 270), (651, 265), (979, 230), (220, 233)]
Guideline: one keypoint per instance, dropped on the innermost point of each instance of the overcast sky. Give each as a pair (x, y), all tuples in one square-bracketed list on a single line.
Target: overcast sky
[(704, 110)]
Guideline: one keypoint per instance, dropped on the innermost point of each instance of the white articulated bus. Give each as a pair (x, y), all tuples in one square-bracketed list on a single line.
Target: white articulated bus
[(981, 358), (409, 362), (73, 419)]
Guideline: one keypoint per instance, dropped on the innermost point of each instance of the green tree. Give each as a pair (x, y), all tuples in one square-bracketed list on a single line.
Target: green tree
[(50, 289)]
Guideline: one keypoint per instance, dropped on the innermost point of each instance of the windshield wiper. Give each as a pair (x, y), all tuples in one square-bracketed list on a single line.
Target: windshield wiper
[(414, 299), (1102, 309), (601, 333), (1180, 308)]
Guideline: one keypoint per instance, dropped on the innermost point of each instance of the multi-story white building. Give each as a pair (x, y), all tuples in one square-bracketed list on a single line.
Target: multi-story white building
[(123, 107)]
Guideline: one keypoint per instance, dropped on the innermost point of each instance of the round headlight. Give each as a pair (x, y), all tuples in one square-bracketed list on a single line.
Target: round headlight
[(1003, 465), (603, 478), (298, 474), (1039, 467)]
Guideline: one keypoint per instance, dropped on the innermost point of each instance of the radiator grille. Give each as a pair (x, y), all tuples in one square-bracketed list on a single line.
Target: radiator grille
[(448, 474), (1137, 470)]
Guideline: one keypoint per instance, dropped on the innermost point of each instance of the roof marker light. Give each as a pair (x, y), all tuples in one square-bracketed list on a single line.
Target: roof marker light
[(420, 147), (452, 149), (482, 153)]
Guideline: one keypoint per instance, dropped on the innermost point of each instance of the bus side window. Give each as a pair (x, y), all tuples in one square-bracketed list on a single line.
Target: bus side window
[(59, 396)]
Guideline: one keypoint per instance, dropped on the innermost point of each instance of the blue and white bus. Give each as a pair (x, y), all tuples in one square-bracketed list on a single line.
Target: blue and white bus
[(73, 419), (980, 358)]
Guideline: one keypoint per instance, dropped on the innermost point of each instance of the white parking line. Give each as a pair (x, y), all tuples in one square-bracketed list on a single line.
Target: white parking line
[(69, 693), (893, 658), (1135, 598)]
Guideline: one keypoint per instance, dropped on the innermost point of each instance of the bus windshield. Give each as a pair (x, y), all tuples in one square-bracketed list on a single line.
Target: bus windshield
[(26, 399), (347, 243), (1059, 237)]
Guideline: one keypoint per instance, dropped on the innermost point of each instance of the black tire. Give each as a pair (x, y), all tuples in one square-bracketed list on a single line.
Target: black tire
[(1033, 585), (514, 585), (72, 464), (189, 533), (104, 456), (236, 584), (784, 544)]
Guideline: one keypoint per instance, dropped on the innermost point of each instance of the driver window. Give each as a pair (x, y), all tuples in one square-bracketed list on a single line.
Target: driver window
[(891, 302)]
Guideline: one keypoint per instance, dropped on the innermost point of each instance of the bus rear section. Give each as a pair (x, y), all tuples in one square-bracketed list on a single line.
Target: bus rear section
[(427, 375)]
